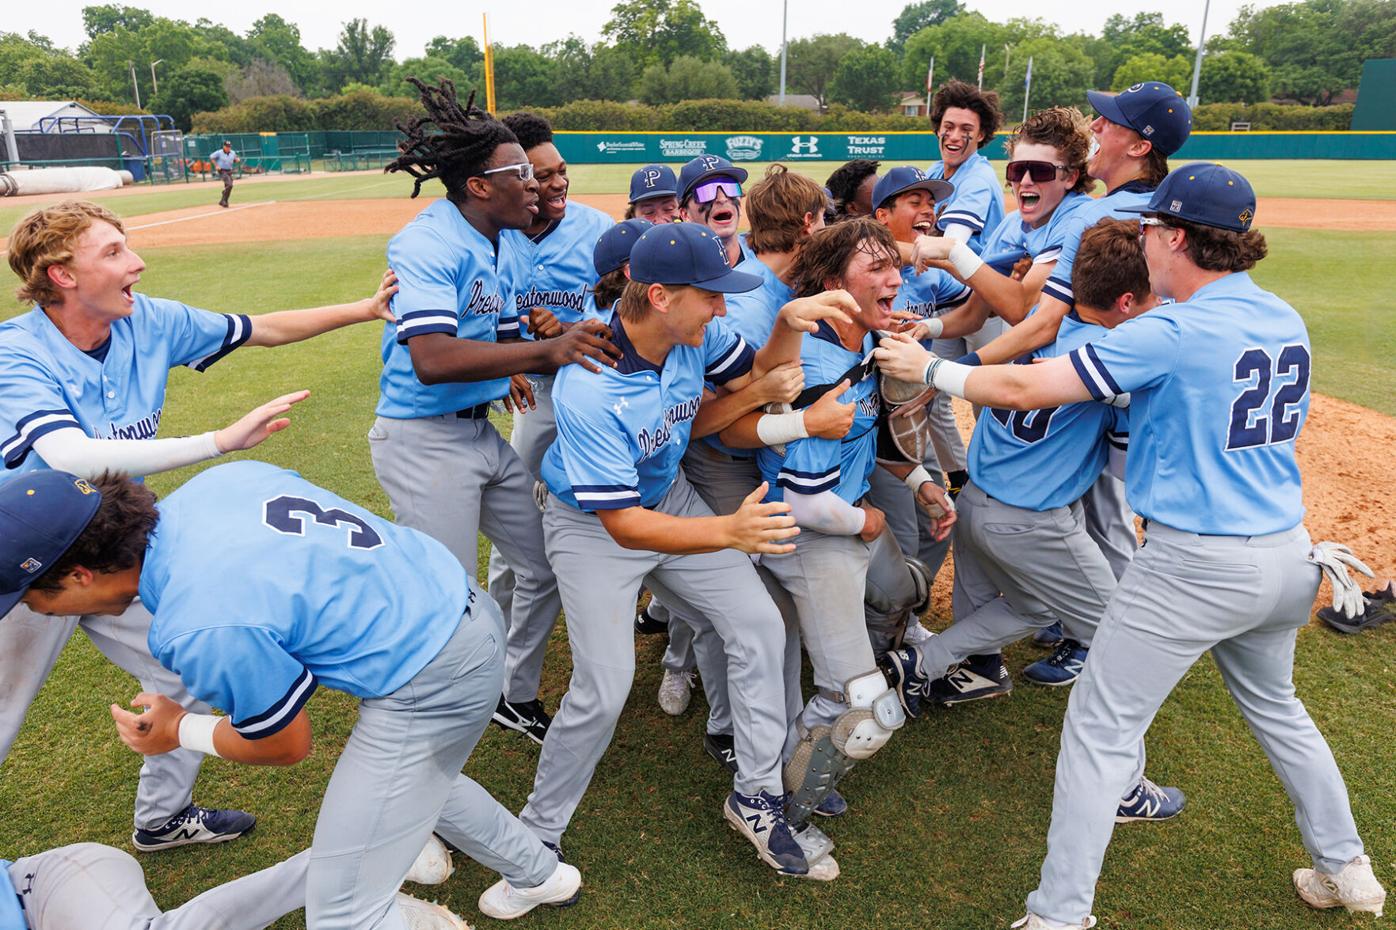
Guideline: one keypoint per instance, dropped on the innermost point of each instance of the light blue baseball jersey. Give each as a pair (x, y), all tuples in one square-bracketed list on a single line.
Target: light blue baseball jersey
[(977, 201), (1041, 459), (622, 431), (451, 279), (51, 384), (1219, 389), (557, 272), (264, 586), (1130, 194), (930, 293), (1044, 243), (812, 465), (222, 160), (11, 911)]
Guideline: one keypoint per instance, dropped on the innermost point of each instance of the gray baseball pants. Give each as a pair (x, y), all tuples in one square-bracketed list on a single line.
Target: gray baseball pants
[(1110, 521), (29, 646), (1241, 598), (1016, 571), (227, 177), (907, 521), (399, 778), (600, 581), (454, 479), (88, 886)]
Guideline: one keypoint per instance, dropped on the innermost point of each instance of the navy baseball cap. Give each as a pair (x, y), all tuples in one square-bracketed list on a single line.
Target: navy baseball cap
[(653, 181), (686, 254), (41, 513), (907, 178), (705, 167), (1205, 194), (1153, 109), (613, 248)]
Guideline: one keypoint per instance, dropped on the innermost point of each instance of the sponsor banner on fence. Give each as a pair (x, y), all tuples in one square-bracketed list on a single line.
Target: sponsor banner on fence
[(639, 148)]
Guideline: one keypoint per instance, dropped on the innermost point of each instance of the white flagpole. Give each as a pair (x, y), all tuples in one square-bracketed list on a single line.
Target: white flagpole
[(930, 82), (982, 50), (1027, 89)]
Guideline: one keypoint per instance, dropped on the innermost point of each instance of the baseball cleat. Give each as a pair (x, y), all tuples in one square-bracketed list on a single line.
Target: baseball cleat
[(675, 691), (526, 717), (424, 915), (902, 671), (503, 901), (955, 482), (1378, 607), (1149, 801), (1353, 887), (557, 851), (761, 819), (1036, 922), (915, 634), (817, 847), (723, 748), (978, 678), (433, 864), (1048, 636), (1061, 668), (194, 824), (833, 805), (647, 624)]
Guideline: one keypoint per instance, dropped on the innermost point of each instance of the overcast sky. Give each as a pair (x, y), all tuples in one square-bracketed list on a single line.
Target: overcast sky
[(744, 22)]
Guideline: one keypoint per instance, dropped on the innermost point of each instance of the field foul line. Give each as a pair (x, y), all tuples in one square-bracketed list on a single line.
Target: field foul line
[(352, 188), (199, 216)]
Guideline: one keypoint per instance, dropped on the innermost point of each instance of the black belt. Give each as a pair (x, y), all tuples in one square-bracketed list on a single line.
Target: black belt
[(478, 412)]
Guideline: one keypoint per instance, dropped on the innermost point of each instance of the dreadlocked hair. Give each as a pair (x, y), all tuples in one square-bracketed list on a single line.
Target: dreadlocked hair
[(452, 143)]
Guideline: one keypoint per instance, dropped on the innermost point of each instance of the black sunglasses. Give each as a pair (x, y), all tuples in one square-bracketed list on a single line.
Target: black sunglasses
[(1040, 171)]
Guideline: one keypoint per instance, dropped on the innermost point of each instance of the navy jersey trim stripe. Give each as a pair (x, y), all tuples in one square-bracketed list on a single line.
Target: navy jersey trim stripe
[(1047, 255), (239, 331), (275, 718), (736, 362), (804, 482), (962, 218), (961, 298), (1093, 374), (41, 422), (1055, 287)]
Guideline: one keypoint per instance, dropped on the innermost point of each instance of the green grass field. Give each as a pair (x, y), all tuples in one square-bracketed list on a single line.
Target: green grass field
[(947, 824)]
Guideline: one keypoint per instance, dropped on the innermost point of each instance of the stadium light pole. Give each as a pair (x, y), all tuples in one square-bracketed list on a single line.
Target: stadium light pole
[(784, 19), (1197, 62), (154, 83), (135, 88)]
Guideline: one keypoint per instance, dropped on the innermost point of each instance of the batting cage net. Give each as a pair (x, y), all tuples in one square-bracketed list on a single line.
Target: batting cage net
[(167, 163)]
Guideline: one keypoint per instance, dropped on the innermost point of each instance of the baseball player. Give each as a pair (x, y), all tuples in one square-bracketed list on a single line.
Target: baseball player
[(449, 354), (552, 277), (851, 188), (223, 161), (85, 374), (710, 193), (620, 513), (1219, 389), (843, 541), (965, 119), (317, 592), (654, 195)]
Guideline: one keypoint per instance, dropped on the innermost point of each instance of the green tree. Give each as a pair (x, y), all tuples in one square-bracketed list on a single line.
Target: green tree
[(363, 55), (1061, 75), (430, 69), (56, 76), (956, 44), (261, 78), (464, 53), (810, 63), (1125, 37), (917, 16), (755, 71), (687, 79), (192, 89), (525, 78), (865, 79), (1234, 77), (1315, 48), (279, 41), (1151, 66), (662, 30), (112, 55), (108, 17), (613, 74)]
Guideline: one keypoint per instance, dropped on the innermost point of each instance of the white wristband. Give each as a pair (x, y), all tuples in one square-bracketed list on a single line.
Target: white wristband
[(947, 376), (916, 478), (935, 326), (774, 429), (196, 732), (964, 261)]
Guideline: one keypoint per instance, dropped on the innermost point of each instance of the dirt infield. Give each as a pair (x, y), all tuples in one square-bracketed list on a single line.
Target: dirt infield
[(260, 221)]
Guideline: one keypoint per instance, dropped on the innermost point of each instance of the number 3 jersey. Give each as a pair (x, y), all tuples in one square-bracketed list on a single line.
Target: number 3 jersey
[(1219, 389), (264, 586)]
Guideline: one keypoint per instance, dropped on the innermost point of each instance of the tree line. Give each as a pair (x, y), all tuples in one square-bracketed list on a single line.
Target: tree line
[(662, 52)]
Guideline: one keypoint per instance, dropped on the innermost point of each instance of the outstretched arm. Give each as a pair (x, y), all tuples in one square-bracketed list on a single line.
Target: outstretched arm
[(287, 326), (1011, 387), (158, 731)]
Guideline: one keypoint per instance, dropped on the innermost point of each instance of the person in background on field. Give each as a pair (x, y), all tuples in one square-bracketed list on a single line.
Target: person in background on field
[(223, 160)]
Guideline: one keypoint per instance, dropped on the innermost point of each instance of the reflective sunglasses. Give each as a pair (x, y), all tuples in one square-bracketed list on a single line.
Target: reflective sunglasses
[(523, 169), (1040, 171), (1145, 222), (707, 192)]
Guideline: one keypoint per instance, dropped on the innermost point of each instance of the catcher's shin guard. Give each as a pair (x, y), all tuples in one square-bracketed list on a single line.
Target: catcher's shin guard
[(825, 754)]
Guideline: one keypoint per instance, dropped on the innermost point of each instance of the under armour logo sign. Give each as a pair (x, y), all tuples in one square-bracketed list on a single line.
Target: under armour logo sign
[(808, 145), (651, 178)]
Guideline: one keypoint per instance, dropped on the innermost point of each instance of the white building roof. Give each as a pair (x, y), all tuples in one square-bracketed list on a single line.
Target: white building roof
[(25, 114)]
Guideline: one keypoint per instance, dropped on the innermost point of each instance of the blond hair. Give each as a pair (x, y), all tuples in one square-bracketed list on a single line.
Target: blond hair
[(47, 237)]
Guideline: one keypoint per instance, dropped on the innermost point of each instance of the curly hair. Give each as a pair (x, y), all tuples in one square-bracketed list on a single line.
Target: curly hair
[(530, 129), (826, 253), (47, 237), (963, 96), (846, 180), (452, 143), (1220, 249), (609, 288), (776, 206), (1068, 131), (116, 537)]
